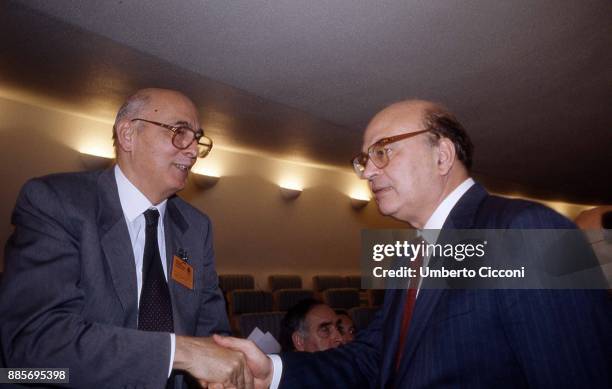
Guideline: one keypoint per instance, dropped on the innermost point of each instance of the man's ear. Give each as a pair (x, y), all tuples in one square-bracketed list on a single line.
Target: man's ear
[(446, 155), (298, 341), (125, 131)]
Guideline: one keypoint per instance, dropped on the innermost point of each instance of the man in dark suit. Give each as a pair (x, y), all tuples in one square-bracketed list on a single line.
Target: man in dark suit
[(416, 157), (109, 273)]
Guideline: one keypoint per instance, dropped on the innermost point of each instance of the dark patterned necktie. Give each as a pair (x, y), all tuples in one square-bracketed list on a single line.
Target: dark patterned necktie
[(155, 309)]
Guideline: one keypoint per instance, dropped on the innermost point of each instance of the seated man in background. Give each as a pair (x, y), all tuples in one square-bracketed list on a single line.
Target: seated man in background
[(111, 275), (345, 326), (309, 326)]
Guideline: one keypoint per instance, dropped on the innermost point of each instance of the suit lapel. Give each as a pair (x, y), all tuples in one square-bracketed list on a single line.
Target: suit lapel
[(115, 242), (183, 299), (462, 216)]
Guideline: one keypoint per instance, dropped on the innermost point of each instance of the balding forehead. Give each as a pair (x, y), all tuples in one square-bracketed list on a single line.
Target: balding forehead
[(408, 109), (171, 102), (401, 117), (166, 94)]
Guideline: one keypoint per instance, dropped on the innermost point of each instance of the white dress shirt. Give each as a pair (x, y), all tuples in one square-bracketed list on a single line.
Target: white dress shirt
[(430, 232), (133, 205), (438, 217), (431, 229)]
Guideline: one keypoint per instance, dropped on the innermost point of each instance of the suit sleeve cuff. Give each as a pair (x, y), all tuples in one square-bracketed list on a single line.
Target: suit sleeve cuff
[(277, 370), (172, 350)]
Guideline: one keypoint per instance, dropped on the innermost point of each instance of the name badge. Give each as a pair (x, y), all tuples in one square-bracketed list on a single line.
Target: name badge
[(182, 272)]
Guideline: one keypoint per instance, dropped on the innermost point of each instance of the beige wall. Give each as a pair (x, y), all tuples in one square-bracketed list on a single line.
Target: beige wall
[(256, 230)]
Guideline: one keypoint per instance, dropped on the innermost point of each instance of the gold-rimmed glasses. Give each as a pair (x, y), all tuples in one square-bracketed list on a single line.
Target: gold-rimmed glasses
[(378, 152), (183, 136)]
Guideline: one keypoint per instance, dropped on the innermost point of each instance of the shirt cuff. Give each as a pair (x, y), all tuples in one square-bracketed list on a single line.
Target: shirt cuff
[(172, 350), (277, 370)]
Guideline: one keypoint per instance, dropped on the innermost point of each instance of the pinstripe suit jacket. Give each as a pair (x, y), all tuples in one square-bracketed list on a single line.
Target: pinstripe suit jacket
[(475, 338), (69, 296)]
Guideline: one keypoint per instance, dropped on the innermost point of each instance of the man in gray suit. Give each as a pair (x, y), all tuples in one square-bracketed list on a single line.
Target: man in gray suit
[(85, 286)]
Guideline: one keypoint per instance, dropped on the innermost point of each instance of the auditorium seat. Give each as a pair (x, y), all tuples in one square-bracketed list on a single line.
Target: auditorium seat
[(341, 298), (265, 321), (242, 301), (353, 281), (230, 282), (362, 316), (322, 283), (250, 301), (286, 298), (278, 281)]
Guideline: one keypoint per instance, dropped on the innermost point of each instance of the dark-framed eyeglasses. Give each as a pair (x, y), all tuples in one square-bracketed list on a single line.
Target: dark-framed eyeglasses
[(378, 152), (184, 136)]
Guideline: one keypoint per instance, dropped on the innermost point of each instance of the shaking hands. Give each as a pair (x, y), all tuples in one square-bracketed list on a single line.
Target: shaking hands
[(223, 362)]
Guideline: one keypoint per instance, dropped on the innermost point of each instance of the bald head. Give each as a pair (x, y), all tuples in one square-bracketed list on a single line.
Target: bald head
[(138, 103), (432, 116), (406, 110)]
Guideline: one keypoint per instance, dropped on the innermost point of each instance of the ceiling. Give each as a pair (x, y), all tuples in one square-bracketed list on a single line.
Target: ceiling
[(531, 80)]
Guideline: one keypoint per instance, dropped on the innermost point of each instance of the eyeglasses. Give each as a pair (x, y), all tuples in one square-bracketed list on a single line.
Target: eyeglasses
[(378, 153), (183, 137)]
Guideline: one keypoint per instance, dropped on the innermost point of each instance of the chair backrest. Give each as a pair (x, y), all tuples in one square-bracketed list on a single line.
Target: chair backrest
[(322, 283), (230, 282), (250, 301), (265, 321), (286, 298), (362, 316), (278, 281), (353, 281), (341, 298)]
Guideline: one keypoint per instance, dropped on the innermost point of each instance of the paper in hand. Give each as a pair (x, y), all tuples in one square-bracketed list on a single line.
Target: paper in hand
[(266, 342)]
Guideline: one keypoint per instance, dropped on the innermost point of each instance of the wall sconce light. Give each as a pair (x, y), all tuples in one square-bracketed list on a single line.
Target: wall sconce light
[(359, 203), (290, 193), (94, 162), (204, 181)]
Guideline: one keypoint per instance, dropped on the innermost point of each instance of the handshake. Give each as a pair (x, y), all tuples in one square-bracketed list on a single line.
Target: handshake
[(223, 362)]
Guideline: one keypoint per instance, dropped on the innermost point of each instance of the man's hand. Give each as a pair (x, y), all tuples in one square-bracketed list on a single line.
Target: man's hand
[(208, 362), (260, 365)]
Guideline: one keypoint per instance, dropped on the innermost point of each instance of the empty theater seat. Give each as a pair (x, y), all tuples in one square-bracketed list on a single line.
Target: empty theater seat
[(278, 281), (243, 301), (353, 281), (230, 282), (250, 301), (341, 298), (286, 298), (322, 283)]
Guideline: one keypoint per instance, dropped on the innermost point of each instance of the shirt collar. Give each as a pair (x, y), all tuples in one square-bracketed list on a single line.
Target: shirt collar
[(437, 219), (133, 202)]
